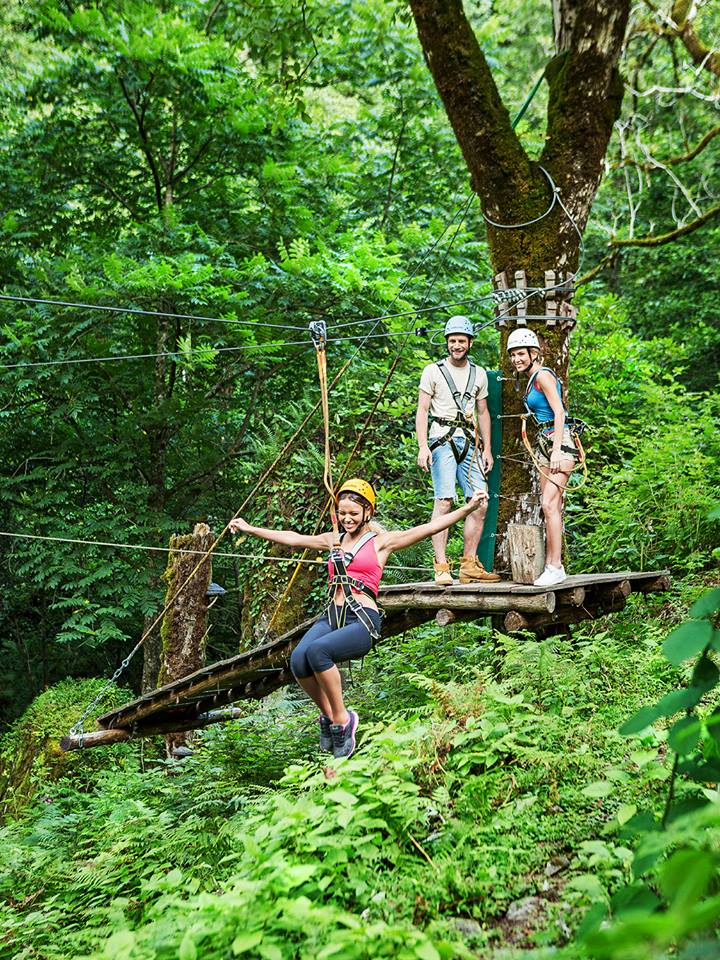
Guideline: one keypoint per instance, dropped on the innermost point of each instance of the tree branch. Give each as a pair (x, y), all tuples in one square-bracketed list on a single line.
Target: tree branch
[(492, 151), (682, 14), (672, 161), (671, 235), (144, 141)]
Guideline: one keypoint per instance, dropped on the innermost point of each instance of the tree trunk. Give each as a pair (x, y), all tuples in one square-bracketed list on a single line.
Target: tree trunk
[(184, 626), (585, 95)]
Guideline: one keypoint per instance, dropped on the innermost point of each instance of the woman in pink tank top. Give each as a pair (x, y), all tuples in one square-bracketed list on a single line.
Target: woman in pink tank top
[(351, 622)]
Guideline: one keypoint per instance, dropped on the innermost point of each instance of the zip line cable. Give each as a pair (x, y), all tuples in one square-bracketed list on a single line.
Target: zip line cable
[(149, 356), (150, 549), (496, 296), (137, 311)]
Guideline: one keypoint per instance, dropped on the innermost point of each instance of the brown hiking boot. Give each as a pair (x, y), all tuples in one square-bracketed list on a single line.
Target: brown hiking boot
[(472, 571), (443, 577)]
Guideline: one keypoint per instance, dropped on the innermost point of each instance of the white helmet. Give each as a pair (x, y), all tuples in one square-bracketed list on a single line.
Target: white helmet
[(522, 337), (459, 324)]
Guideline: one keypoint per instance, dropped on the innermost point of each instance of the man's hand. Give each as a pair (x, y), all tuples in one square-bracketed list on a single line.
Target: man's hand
[(488, 461), (424, 457)]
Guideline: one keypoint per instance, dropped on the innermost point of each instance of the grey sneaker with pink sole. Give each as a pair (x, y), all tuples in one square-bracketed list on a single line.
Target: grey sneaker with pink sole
[(343, 737)]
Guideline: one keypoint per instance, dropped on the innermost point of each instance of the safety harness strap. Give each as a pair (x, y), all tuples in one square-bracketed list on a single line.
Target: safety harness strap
[(341, 578), (461, 404), (461, 421)]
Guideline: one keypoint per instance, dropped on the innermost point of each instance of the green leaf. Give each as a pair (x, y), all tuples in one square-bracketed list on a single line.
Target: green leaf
[(712, 722), (246, 941), (687, 640), (626, 812), (678, 700), (600, 788), (188, 950), (707, 604), (684, 735), (686, 876), (426, 951), (639, 721), (705, 675)]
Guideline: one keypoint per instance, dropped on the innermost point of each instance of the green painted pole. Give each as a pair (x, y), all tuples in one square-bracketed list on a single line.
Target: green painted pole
[(486, 549)]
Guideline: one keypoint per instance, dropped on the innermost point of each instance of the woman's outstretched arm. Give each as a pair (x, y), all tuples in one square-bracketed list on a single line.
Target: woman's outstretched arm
[(393, 540), (288, 538)]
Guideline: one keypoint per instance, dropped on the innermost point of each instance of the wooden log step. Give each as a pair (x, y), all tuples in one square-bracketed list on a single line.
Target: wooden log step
[(454, 600), (514, 620), (101, 738)]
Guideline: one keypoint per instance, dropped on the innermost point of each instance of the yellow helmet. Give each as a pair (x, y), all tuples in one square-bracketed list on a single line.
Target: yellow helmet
[(362, 487)]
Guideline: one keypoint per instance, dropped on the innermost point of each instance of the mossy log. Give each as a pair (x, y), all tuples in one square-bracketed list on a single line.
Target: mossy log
[(184, 626)]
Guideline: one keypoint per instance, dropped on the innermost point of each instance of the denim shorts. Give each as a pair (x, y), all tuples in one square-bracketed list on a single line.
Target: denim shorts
[(446, 472)]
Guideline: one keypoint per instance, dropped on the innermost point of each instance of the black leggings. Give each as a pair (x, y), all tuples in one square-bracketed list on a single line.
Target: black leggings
[(323, 645)]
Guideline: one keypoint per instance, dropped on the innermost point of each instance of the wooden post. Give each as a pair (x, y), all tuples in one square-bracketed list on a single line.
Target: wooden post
[(500, 282), (526, 546), (521, 308), (184, 626)]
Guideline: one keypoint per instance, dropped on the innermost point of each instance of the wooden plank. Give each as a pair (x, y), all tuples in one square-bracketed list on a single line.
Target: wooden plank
[(500, 282), (521, 306), (101, 738), (469, 601), (550, 301), (509, 586), (526, 545)]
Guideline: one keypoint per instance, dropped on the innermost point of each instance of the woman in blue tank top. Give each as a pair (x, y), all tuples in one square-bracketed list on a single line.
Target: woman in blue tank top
[(557, 452)]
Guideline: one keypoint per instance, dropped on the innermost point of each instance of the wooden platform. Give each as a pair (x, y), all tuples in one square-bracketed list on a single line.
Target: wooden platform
[(198, 699)]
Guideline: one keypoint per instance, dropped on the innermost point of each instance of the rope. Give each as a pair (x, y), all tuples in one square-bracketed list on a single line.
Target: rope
[(145, 313), (318, 332), (581, 462)]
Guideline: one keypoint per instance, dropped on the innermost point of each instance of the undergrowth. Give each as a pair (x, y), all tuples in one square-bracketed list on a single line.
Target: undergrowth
[(489, 815)]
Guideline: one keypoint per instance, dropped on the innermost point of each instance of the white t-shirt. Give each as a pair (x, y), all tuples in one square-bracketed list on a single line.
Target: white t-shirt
[(441, 399)]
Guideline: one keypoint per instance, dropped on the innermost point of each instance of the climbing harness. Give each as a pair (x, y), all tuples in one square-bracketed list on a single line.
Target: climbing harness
[(341, 560), (461, 421), (573, 424)]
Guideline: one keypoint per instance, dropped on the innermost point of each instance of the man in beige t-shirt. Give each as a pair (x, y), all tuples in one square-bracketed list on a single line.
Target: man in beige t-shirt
[(453, 395)]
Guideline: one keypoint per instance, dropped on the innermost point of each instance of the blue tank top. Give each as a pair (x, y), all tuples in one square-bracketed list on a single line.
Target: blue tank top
[(535, 400)]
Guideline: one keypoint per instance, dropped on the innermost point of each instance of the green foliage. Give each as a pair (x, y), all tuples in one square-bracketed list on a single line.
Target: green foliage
[(671, 898), (479, 796), (30, 754), (653, 452)]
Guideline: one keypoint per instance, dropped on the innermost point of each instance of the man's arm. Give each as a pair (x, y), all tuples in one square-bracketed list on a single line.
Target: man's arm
[(421, 430)]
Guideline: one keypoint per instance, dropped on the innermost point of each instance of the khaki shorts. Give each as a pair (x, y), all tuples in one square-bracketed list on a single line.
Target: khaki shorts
[(545, 443)]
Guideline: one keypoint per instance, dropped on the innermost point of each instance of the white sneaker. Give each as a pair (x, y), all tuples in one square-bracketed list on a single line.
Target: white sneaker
[(550, 576)]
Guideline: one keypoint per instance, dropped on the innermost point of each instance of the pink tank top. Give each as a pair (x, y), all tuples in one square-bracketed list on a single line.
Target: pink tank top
[(364, 566)]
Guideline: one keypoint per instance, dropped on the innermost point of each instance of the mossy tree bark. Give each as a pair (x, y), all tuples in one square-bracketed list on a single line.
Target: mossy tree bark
[(184, 626), (585, 95)]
